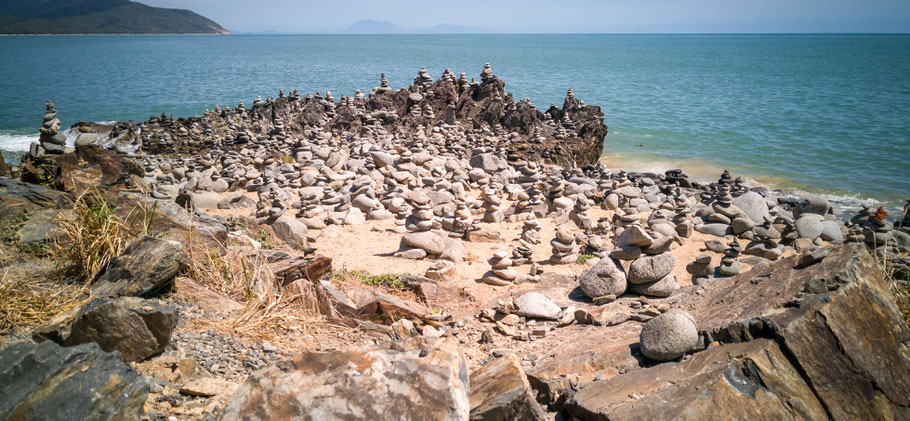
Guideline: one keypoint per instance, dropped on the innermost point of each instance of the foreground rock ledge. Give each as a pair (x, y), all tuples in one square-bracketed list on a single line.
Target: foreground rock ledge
[(413, 379), (839, 355)]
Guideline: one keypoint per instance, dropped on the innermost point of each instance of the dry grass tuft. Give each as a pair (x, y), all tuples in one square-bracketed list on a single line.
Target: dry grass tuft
[(27, 304), (93, 234), (269, 314), (228, 272)]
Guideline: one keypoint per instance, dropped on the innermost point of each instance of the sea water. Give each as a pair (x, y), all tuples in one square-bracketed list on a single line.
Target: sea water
[(825, 113)]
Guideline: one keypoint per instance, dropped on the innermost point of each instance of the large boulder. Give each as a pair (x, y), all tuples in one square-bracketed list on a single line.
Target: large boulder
[(634, 236), (812, 204), (607, 277), (48, 382), (651, 268), (660, 289), (137, 328), (809, 226), (291, 231), (500, 391), (754, 206), (147, 266), (425, 240), (669, 336), (413, 379)]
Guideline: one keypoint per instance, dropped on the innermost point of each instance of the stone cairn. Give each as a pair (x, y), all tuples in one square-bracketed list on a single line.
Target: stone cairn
[(729, 264), (701, 269), (51, 140), (563, 247), (502, 272), (492, 205), (530, 230), (422, 218)]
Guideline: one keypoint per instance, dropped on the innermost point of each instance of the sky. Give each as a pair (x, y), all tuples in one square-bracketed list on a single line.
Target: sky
[(560, 16)]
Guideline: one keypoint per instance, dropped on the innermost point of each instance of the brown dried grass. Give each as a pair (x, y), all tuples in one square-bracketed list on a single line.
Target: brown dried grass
[(29, 303), (93, 234), (269, 313)]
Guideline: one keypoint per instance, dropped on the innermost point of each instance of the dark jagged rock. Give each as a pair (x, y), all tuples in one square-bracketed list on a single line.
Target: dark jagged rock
[(32, 193), (147, 266), (500, 391), (135, 327), (48, 382)]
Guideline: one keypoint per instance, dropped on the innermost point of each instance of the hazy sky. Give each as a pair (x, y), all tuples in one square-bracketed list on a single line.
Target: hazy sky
[(600, 16)]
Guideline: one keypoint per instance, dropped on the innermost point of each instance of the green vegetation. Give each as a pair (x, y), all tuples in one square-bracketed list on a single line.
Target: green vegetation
[(265, 239), (99, 17), (582, 259), (386, 280), (13, 227)]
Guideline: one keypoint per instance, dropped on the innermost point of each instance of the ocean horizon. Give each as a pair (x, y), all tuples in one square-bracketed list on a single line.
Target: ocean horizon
[(820, 112)]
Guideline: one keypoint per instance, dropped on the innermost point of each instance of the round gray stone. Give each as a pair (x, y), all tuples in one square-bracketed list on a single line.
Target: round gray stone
[(605, 278), (809, 226), (668, 336), (651, 268), (662, 288)]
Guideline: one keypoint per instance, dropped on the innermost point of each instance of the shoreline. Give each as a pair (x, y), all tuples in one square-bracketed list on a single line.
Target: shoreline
[(698, 170)]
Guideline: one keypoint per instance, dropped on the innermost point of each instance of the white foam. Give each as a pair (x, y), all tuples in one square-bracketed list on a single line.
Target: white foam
[(16, 141)]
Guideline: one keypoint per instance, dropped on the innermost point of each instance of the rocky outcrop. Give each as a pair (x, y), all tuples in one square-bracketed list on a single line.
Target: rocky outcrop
[(148, 265), (135, 327), (571, 135), (17, 191), (48, 382), (500, 391), (413, 379), (841, 354)]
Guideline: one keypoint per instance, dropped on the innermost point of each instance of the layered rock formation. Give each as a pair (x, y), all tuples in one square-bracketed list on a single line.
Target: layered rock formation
[(483, 113)]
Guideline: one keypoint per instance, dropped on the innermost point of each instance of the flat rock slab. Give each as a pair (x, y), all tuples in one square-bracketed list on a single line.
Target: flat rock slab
[(413, 379), (48, 382), (751, 380), (309, 268), (859, 318)]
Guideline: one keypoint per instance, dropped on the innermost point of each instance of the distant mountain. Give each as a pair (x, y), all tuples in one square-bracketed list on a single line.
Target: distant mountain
[(99, 17), (370, 26)]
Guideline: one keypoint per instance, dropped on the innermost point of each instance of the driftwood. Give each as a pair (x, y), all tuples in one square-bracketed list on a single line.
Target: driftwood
[(311, 269)]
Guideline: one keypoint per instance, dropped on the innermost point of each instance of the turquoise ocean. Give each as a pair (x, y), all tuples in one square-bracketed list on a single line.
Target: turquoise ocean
[(822, 113)]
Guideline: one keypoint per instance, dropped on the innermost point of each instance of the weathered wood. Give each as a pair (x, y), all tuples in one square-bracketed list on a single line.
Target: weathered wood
[(312, 269)]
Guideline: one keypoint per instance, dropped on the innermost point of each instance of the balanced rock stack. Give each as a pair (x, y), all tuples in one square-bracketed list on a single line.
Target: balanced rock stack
[(502, 272), (422, 217), (701, 269), (530, 230), (729, 264), (51, 140), (383, 84), (492, 205), (522, 254), (563, 247), (651, 275)]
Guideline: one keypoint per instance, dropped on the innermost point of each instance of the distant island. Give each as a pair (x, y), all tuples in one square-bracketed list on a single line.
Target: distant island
[(40, 17), (369, 26)]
